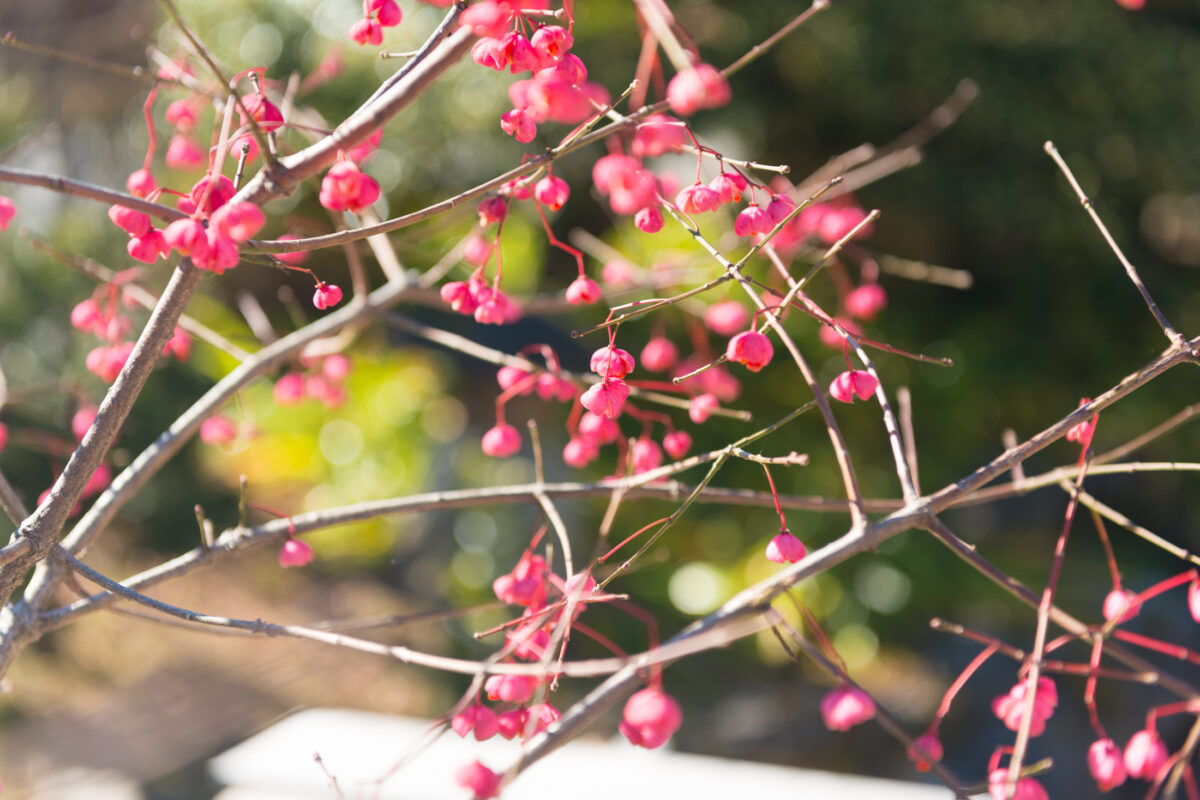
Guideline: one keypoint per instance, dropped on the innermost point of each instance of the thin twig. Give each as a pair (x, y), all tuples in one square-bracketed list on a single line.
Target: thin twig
[(1173, 335)]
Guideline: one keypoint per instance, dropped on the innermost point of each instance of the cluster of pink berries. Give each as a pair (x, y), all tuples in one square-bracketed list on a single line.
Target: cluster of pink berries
[(377, 15), (1010, 708), (345, 187), (101, 316), (323, 380), (214, 247), (650, 717), (557, 89), (488, 304)]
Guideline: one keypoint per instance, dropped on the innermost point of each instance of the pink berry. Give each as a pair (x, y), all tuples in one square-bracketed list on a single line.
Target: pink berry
[(651, 716), (493, 210), (726, 318), (188, 236), (366, 31), (501, 441), (659, 354), (495, 308), (1027, 788), (139, 183), (238, 221), (677, 444), (697, 88), (866, 301), (181, 115), (336, 367), (701, 408), (853, 383), (648, 220), (647, 455), (1106, 764), (219, 191), (217, 430), (135, 223), (86, 316), (697, 198), (750, 348), (183, 153), (836, 223), (551, 43), (729, 187), (459, 296), (845, 707), (925, 751), (263, 111), (1194, 599), (148, 247), (4, 438), (785, 549), (476, 718), (752, 220), (512, 723), (289, 390), (326, 295), (521, 55), (597, 428), (179, 345), (388, 14), (347, 188), (778, 209), (1121, 604), (478, 779), (1010, 708), (628, 185), (295, 259), (611, 362), (658, 134), (107, 361), (82, 421), (488, 18), (510, 688), (579, 453), (519, 124), (1145, 754), (552, 192), (508, 377), (606, 399), (295, 553), (222, 253), (583, 290), (490, 53)]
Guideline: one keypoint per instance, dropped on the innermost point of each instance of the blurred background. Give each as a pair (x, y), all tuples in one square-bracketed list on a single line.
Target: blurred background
[(1049, 319)]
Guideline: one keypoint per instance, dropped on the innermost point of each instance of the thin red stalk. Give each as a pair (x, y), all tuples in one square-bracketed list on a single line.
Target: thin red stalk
[(1157, 645), (630, 538), (1089, 692), (148, 111), (1109, 556), (1043, 623), (554, 240), (959, 682), (775, 496)]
